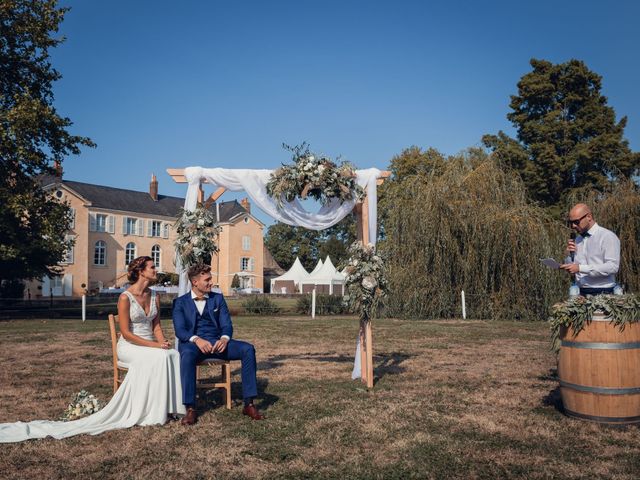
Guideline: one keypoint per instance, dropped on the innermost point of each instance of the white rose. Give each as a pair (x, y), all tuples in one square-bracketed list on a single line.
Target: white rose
[(369, 283), (201, 222)]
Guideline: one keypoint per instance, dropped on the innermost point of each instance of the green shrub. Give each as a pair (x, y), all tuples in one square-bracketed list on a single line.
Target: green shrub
[(325, 305), (260, 305)]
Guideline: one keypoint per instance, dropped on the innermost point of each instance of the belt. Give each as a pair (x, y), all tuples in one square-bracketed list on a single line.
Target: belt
[(595, 291)]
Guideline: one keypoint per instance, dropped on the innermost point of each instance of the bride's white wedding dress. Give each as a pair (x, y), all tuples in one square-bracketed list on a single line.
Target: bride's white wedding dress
[(150, 391)]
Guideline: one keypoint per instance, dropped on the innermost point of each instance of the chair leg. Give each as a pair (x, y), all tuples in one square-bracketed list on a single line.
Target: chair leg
[(226, 372)]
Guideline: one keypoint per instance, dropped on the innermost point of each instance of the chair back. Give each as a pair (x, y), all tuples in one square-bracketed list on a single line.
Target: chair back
[(113, 320)]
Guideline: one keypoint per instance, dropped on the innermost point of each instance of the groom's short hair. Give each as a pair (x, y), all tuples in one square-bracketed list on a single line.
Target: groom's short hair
[(198, 269)]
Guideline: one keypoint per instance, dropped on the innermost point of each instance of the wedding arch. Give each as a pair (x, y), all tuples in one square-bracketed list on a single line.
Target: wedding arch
[(254, 183)]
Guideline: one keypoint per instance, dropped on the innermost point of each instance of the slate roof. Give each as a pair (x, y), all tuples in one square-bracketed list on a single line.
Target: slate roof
[(112, 198)]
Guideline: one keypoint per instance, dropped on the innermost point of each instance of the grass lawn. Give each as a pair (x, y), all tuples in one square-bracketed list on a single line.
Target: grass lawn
[(453, 399)]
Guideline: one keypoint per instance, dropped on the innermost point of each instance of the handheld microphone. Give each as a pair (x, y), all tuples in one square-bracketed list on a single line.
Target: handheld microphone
[(572, 255)]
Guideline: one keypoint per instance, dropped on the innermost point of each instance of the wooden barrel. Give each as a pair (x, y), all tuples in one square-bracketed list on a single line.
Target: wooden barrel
[(599, 372)]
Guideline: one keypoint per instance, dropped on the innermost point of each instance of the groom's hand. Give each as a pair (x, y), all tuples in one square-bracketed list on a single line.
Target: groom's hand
[(220, 345), (204, 345)]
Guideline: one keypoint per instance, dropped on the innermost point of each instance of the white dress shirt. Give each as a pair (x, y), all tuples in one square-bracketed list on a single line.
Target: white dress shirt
[(200, 306), (598, 255)]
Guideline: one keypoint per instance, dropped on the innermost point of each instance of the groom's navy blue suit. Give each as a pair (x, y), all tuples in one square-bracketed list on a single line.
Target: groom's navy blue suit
[(214, 322)]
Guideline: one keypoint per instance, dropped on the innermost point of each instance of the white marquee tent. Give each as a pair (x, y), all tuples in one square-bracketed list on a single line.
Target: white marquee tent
[(325, 279), (289, 281)]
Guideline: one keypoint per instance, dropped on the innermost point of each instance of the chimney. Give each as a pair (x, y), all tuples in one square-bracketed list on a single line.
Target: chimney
[(57, 166), (153, 188), (245, 204)]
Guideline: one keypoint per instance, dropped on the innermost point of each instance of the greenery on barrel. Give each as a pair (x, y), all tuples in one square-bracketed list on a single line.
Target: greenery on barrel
[(577, 312)]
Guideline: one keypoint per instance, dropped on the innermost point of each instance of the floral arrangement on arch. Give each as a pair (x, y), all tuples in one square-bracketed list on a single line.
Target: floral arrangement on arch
[(366, 282), (196, 236), (314, 176), (83, 404)]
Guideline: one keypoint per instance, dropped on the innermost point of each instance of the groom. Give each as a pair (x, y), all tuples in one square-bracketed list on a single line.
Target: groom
[(202, 324)]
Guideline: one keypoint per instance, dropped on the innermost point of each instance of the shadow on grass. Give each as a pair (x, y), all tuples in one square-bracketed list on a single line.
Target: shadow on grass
[(389, 364), (214, 399), (277, 361), (553, 398)]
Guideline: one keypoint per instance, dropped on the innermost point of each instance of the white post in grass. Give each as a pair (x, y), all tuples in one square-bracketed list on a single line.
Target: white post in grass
[(313, 303), (84, 307), (464, 306)]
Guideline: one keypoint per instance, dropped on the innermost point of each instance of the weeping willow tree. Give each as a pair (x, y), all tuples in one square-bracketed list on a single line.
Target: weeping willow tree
[(618, 209), (467, 225)]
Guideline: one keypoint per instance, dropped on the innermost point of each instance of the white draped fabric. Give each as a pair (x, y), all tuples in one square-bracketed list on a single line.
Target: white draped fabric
[(254, 183)]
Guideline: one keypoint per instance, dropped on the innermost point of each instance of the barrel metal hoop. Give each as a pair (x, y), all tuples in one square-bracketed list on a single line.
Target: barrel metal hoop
[(601, 345), (601, 390), (602, 419)]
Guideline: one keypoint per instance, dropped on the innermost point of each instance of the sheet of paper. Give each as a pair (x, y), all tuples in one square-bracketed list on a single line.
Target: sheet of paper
[(550, 262)]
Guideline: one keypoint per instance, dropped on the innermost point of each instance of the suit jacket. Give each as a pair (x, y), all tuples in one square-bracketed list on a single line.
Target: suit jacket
[(185, 311)]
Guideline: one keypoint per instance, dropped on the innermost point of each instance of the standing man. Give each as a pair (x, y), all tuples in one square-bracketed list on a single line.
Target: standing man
[(596, 253), (203, 326)]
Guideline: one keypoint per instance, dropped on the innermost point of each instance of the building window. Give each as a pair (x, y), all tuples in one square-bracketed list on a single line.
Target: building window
[(72, 218), (246, 220), (130, 226), (155, 255), (246, 264), (68, 254), (246, 242), (129, 253), (100, 253), (154, 229), (101, 222)]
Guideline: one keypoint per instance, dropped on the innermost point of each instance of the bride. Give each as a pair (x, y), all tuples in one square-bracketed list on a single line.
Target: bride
[(151, 389)]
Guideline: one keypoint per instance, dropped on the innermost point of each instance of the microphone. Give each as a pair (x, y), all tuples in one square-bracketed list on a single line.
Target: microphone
[(572, 255)]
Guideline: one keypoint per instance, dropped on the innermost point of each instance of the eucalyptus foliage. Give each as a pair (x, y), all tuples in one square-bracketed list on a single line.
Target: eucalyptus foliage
[(576, 312), (197, 232), (315, 176)]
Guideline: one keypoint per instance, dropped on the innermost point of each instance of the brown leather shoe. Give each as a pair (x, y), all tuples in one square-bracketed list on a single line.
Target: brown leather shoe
[(190, 418), (251, 411)]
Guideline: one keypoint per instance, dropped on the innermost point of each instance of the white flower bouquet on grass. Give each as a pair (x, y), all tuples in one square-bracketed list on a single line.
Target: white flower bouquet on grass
[(82, 405)]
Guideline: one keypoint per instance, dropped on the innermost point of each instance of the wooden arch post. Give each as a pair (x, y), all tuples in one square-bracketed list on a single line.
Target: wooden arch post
[(362, 218)]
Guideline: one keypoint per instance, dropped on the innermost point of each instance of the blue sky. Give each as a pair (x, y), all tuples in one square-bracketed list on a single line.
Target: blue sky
[(160, 84)]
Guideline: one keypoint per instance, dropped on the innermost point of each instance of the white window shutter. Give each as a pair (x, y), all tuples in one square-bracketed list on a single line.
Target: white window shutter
[(124, 225), (149, 228), (251, 265), (140, 227), (92, 222), (72, 214), (111, 224), (165, 230)]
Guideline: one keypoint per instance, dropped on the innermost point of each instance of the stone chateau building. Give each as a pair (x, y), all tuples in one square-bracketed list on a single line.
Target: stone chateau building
[(112, 226)]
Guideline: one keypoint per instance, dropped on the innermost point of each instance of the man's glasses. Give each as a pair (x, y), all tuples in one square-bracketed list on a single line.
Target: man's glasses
[(576, 221)]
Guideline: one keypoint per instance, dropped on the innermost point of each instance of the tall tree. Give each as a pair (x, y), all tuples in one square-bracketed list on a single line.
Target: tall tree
[(33, 139), (567, 136)]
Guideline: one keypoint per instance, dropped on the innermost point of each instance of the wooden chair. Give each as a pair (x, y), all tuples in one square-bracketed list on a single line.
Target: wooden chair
[(201, 383), (224, 383), (118, 371)]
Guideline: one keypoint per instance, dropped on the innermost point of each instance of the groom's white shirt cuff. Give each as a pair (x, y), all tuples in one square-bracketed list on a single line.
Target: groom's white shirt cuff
[(195, 337)]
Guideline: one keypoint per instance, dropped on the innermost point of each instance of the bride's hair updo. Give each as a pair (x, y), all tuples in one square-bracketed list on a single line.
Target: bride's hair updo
[(136, 266)]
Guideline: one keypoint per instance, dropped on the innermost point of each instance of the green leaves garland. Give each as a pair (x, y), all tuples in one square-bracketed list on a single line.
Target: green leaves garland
[(576, 312), (314, 176), (366, 282), (196, 236)]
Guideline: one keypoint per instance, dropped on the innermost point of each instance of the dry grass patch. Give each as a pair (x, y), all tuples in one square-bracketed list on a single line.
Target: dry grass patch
[(452, 399)]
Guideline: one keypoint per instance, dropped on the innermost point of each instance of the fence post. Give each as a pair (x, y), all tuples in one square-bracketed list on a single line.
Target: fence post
[(464, 306), (84, 307), (313, 303)]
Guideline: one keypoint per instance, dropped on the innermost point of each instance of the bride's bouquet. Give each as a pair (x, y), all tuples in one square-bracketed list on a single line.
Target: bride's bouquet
[(82, 405)]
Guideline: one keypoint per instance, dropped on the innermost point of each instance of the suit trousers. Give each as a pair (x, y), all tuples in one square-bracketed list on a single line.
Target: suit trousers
[(190, 355)]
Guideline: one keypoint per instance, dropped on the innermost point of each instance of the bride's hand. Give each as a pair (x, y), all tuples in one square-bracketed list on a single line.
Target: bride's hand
[(165, 345)]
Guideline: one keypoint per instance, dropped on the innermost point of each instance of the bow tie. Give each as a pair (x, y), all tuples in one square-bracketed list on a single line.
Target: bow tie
[(585, 234), (199, 299)]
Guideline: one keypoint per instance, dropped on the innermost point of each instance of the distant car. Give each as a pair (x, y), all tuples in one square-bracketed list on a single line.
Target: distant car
[(249, 290)]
